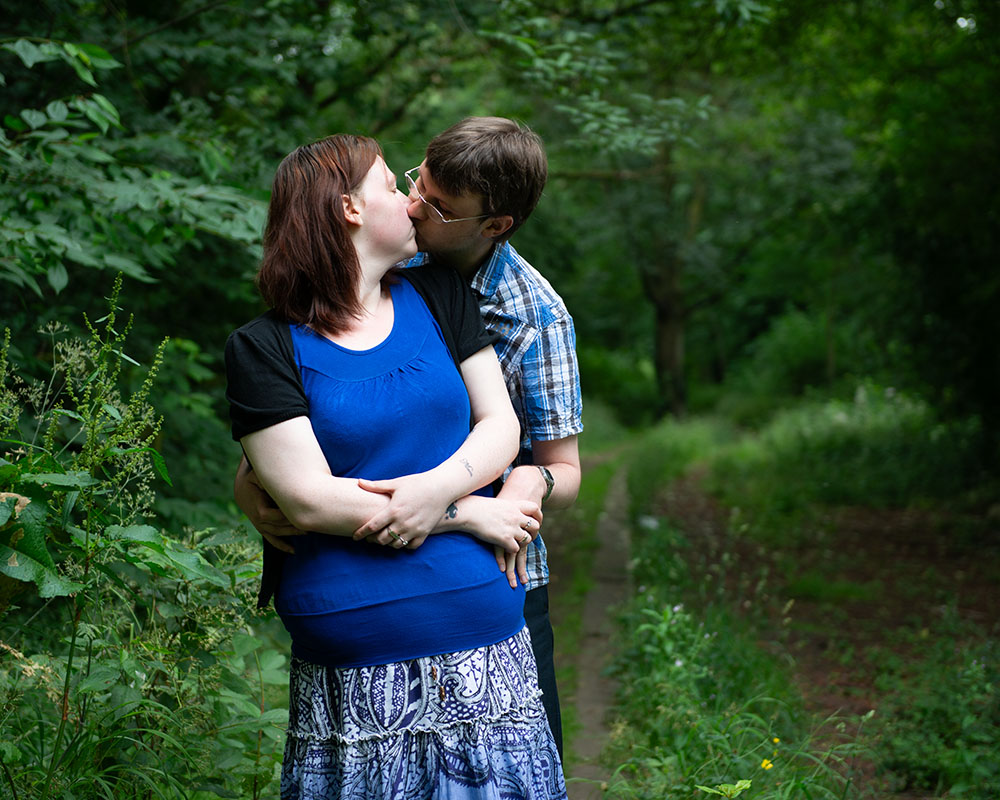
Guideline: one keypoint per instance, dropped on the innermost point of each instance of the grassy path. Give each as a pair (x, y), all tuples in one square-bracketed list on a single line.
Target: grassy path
[(588, 558)]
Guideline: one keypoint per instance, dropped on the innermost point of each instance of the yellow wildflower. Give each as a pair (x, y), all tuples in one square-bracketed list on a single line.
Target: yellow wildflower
[(766, 764), (776, 740)]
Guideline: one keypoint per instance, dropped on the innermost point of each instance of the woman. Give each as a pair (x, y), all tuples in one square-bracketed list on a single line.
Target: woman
[(412, 674)]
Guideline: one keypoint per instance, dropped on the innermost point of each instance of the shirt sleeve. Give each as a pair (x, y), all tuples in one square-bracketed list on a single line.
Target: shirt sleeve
[(553, 403), (263, 382)]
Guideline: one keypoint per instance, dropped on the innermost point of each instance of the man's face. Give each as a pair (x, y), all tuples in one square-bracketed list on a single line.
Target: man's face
[(446, 239)]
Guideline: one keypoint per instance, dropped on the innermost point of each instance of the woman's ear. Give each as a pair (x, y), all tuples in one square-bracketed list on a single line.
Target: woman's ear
[(351, 212)]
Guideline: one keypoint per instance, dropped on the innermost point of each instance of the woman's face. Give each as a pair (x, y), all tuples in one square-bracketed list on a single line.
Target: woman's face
[(389, 228)]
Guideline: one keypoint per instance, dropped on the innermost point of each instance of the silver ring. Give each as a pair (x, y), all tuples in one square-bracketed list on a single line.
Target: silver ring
[(394, 535), (524, 539)]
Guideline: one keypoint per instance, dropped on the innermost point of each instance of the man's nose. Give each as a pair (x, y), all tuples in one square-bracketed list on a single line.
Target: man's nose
[(415, 207)]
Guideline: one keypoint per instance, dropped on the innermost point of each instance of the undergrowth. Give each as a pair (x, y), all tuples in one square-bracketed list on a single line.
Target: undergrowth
[(704, 708), (130, 666)]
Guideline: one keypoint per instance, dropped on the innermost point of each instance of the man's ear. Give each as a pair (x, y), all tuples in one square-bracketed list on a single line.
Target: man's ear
[(351, 212), (497, 226)]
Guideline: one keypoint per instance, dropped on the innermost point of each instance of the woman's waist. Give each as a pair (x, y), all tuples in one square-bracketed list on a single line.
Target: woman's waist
[(334, 574), (390, 630)]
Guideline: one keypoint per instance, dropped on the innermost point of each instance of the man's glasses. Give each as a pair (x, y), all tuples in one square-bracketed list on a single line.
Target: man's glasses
[(433, 212)]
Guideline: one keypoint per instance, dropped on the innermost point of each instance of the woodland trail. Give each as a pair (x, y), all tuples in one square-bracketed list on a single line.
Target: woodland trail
[(918, 565), (594, 693)]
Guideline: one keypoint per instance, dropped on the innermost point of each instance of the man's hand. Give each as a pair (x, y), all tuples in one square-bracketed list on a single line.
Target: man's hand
[(263, 513)]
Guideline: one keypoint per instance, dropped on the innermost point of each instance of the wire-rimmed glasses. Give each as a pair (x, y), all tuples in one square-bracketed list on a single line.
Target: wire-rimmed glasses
[(433, 212)]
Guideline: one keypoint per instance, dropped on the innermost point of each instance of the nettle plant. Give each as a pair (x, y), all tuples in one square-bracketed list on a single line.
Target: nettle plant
[(128, 664)]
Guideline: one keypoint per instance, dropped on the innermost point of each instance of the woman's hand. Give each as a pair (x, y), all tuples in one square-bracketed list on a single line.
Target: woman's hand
[(416, 507)]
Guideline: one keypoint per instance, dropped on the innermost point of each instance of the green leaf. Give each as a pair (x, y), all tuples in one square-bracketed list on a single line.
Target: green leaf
[(134, 533), (84, 74), (34, 118), (192, 566), (14, 123), (108, 107), (27, 534), (9, 754), (75, 478), (243, 643), (169, 610), (49, 582), (58, 277), (127, 265), (29, 53), (98, 56), (159, 462), (100, 679), (7, 507), (57, 111)]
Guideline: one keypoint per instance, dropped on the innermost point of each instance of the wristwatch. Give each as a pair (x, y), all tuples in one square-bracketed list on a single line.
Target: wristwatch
[(549, 480)]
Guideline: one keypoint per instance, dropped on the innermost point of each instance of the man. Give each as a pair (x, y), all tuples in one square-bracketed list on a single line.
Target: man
[(479, 182)]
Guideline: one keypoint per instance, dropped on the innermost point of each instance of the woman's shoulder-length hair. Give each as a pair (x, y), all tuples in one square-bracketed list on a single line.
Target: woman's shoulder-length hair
[(309, 273)]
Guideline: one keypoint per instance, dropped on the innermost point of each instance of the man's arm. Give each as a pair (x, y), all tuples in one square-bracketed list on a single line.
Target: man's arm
[(562, 458), (261, 510)]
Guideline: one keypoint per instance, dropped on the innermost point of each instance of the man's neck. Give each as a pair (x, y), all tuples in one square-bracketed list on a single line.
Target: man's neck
[(468, 263)]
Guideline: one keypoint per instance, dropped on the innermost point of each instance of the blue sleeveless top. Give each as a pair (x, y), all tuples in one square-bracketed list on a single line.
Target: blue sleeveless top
[(398, 408)]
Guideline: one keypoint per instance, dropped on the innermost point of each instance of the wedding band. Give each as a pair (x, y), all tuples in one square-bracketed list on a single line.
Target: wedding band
[(524, 539), (394, 535)]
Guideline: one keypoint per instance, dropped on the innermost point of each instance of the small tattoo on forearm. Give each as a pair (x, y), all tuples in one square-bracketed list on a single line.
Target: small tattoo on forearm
[(452, 511), (467, 466)]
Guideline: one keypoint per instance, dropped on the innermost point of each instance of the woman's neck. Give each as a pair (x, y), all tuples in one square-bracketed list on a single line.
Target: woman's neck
[(374, 323)]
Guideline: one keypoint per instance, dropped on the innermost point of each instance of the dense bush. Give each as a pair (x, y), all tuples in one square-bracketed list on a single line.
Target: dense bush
[(131, 665), (881, 448), (701, 706)]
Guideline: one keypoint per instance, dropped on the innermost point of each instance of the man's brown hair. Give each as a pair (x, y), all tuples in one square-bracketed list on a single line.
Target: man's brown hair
[(310, 272), (497, 158)]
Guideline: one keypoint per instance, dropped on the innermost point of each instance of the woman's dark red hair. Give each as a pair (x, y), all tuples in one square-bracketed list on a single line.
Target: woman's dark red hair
[(310, 272)]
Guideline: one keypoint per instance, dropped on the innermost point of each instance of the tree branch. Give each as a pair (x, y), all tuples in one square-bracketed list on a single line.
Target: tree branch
[(177, 20), (370, 73)]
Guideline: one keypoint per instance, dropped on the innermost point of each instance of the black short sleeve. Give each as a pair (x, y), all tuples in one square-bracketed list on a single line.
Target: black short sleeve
[(263, 382), (454, 306)]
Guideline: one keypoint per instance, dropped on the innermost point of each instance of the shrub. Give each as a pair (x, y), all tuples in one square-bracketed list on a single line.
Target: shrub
[(128, 666), (881, 448)]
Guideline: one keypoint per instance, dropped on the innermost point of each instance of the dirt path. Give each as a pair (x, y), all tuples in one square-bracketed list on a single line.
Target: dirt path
[(594, 691)]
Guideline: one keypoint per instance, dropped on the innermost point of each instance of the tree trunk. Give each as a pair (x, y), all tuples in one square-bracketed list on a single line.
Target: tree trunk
[(669, 358)]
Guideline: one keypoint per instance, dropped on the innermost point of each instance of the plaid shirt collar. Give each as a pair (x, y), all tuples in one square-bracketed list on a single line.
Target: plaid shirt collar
[(487, 279)]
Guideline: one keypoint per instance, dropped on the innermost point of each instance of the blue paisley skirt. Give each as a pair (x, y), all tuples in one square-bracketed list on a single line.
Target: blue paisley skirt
[(451, 727)]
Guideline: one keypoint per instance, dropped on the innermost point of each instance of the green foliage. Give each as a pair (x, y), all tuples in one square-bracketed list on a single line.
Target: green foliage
[(798, 353), (700, 704), (665, 452), (76, 193), (128, 666), (942, 732), (881, 448)]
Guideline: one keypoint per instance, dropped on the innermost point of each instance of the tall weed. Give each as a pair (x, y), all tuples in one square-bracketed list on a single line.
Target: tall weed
[(128, 666)]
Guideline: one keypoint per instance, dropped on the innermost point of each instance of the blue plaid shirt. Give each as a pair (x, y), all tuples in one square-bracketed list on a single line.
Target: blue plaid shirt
[(537, 353)]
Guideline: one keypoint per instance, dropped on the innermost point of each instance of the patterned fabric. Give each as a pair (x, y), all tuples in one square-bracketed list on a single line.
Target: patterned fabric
[(461, 725), (537, 353)]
